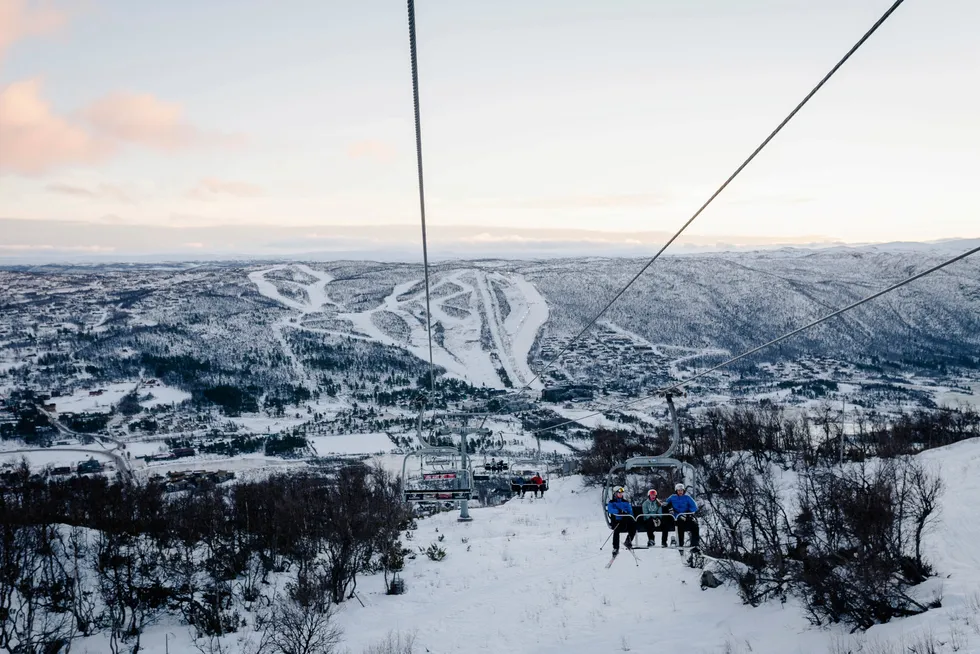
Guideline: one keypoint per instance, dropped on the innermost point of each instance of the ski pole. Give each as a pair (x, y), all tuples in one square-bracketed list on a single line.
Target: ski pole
[(634, 557), (615, 529)]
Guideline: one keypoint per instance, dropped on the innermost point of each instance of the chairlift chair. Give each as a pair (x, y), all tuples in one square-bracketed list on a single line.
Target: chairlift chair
[(665, 462), (439, 478)]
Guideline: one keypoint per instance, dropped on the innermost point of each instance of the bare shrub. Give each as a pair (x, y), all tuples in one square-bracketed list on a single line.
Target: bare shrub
[(292, 628), (861, 560), (394, 643)]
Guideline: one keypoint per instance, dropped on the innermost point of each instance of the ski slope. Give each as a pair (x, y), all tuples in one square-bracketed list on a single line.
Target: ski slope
[(478, 334), (482, 321), (529, 577)]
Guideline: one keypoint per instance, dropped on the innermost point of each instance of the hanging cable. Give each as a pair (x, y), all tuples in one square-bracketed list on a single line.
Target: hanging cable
[(724, 185), (418, 151), (754, 350)]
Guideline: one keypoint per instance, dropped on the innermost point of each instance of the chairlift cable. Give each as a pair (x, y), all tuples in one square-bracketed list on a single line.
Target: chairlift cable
[(774, 341), (721, 188), (418, 151)]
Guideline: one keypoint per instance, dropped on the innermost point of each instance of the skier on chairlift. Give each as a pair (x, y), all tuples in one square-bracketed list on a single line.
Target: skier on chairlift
[(684, 507), (538, 482), (653, 512), (621, 517)]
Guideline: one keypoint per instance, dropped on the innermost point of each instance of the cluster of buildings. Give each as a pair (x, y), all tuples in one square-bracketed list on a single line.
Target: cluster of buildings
[(187, 480)]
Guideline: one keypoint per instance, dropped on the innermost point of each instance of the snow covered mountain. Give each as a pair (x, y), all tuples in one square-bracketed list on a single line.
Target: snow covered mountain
[(495, 323)]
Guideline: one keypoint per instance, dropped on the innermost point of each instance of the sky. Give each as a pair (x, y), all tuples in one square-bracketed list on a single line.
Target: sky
[(563, 115)]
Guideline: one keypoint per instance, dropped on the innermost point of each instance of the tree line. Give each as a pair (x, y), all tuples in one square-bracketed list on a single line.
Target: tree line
[(89, 555)]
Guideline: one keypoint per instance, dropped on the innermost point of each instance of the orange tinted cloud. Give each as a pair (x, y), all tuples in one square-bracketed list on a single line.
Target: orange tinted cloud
[(142, 119), (18, 21), (34, 139), (209, 187), (370, 149)]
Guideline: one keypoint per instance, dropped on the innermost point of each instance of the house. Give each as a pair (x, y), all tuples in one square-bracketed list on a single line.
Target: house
[(89, 466)]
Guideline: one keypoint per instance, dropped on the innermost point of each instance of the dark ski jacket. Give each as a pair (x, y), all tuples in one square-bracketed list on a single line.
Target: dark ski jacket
[(618, 508)]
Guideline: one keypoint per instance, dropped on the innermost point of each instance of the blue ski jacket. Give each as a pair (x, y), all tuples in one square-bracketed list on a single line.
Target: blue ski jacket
[(618, 507), (682, 504)]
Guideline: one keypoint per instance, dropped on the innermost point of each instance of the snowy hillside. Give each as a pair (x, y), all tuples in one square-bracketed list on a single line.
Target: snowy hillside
[(495, 322), (484, 323), (529, 576)]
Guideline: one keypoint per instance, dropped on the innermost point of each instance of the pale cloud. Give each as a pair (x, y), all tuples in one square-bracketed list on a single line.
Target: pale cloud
[(56, 248), (35, 139), (141, 118), (210, 188), (99, 192), (371, 149), (598, 201), (20, 20)]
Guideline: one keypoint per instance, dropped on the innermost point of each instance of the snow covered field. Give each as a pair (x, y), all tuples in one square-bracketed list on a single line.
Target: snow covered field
[(83, 401), (529, 576), (352, 444), (41, 458)]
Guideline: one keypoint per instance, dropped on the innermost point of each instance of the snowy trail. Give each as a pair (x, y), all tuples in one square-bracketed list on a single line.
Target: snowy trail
[(523, 326), (466, 313), (531, 578), (956, 541), (316, 293)]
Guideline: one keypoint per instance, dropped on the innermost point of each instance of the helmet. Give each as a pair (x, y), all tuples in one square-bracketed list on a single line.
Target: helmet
[(652, 493), (618, 489), (679, 487)]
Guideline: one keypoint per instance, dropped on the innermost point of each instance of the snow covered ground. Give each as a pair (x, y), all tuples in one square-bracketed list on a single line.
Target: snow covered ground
[(84, 401), (246, 466), (529, 576), (352, 444), (40, 458)]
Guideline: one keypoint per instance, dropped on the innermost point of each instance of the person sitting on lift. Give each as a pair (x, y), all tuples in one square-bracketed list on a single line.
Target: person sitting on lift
[(538, 484), (653, 513), (684, 507), (621, 517)]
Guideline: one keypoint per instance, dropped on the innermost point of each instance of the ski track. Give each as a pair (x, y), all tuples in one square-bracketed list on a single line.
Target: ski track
[(318, 298), (462, 353)]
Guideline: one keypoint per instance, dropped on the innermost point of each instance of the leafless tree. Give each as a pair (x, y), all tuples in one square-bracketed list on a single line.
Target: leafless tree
[(297, 629)]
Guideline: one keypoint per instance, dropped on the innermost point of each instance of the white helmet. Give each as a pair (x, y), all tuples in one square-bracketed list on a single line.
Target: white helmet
[(618, 489), (680, 487)]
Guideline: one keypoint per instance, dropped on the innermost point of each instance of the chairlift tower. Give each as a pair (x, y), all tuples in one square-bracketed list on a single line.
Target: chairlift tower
[(464, 431)]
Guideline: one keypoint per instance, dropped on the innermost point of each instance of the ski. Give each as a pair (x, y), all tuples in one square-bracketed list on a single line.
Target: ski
[(612, 559)]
